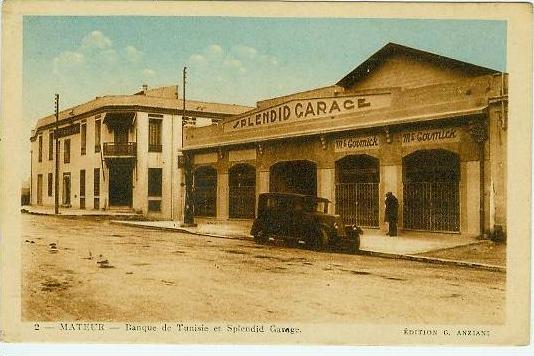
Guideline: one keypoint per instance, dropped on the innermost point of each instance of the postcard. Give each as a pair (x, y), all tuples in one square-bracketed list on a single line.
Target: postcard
[(273, 173)]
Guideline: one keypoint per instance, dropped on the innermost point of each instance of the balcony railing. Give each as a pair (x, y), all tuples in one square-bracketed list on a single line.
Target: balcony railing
[(123, 149)]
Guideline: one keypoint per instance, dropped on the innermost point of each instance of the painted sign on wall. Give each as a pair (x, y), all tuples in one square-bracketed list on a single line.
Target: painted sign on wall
[(307, 109), (68, 130), (422, 137), (356, 143)]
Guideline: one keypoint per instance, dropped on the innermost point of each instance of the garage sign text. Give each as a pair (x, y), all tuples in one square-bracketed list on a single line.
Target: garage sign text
[(430, 136), (301, 110), (356, 143)]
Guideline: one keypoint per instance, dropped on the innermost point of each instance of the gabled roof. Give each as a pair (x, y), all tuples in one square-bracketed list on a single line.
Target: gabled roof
[(391, 48)]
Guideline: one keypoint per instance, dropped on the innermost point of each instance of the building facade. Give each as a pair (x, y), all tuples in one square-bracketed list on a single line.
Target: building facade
[(119, 152), (428, 128)]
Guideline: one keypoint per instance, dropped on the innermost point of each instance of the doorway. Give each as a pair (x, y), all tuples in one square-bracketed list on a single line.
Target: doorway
[(242, 194), (205, 191), (431, 191), (293, 177), (120, 184), (357, 185)]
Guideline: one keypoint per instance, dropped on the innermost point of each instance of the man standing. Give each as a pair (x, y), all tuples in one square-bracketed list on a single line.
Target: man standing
[(392, 210)]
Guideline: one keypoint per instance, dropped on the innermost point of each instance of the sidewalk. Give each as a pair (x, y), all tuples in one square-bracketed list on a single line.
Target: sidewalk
[(49, 210), (221, 231), (412, 246)]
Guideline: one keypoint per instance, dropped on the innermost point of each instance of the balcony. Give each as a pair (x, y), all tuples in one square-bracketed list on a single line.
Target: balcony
[(120, 150)]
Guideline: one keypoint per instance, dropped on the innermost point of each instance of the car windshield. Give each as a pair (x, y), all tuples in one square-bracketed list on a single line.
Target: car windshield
[(296, 204), (319, 206)]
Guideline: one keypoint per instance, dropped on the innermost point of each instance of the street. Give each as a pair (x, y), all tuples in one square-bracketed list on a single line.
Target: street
[(165, 276)]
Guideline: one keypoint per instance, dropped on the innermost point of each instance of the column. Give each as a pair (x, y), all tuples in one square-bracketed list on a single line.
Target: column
[(222, 196), (472, 193), (263, 182), (326, 184), (390, 182)]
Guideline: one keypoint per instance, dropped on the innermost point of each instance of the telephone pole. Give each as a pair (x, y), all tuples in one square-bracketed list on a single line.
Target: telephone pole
[(56, 180), (183, 104), (188, 171)]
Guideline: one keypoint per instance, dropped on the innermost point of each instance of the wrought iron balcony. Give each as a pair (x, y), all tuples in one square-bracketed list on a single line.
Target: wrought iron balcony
[(120, 150)]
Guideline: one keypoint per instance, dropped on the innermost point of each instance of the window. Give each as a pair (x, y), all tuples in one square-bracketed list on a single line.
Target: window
[(39, 189), (97, 135), (83, 139), (40, 148), (82, 189), (96, 188), (66, 152), (66, 189), (50, 145), (96, 182), (50, 184), (82, 182), (154, 135), (154, 189)]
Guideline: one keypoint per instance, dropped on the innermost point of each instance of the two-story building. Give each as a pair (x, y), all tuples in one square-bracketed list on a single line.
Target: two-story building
[(428, 128), (119, 152)]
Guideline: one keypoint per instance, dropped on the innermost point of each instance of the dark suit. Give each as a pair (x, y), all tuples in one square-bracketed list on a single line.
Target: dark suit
[(391, 214)]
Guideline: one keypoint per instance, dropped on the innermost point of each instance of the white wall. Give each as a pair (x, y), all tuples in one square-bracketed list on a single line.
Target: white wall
[(166, 160)]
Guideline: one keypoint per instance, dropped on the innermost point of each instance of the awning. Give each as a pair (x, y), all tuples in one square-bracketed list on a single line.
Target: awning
[(113, 119)]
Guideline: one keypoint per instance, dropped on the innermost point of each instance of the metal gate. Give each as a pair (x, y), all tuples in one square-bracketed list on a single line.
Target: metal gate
[(242, 192), (205, 191), (242, 202), (205, 201), (432, 206), (358, 203)]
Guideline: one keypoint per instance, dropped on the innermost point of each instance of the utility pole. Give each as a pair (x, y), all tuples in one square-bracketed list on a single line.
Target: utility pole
[(188, 174), (56, 180), (183, 103)]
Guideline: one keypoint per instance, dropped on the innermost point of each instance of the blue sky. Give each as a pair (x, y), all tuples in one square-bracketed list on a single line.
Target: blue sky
[(232, 60)]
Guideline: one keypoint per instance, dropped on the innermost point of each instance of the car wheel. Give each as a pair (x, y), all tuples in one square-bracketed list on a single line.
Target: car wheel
[(260, 237), (292, 242)]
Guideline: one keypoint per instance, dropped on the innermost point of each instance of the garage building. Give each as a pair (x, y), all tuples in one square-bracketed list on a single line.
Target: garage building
[(428, 128)]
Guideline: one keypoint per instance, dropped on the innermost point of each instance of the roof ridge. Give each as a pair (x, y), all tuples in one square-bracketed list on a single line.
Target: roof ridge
[(378, 57)]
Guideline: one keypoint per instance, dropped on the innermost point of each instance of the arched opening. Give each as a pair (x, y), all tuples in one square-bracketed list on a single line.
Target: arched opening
[(357, 187), (205, 191), (242, 194), (431, 191), (293, 177)]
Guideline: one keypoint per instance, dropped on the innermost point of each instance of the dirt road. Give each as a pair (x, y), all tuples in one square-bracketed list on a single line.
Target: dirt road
[(159, 276)]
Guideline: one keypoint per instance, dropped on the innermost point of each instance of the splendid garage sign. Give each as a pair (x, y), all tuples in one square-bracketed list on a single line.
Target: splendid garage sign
[(307, 109)]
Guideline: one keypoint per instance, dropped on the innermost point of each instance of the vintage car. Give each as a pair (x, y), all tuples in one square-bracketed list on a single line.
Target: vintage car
[(303, 219)]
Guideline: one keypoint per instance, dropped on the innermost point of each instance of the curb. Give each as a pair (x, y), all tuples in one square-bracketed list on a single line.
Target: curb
[(435, 260), (24, 211), (178, 229), (432, 260)]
